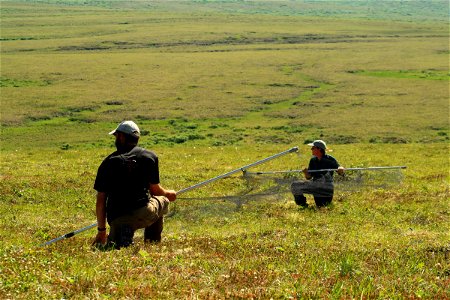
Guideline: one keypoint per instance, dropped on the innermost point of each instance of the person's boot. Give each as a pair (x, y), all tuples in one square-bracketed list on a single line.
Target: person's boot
[(153, 232), (300, 200)]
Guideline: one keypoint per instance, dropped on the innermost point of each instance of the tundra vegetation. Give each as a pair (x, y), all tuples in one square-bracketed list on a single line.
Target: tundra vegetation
[(216, 85)]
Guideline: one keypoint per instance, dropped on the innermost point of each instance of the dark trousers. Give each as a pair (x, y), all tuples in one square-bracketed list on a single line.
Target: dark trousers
[(322, 191)]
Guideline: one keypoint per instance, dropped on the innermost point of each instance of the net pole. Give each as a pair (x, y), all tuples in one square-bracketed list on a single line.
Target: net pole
[(241, 169), (360, 169), (68, 235), (325, 170)]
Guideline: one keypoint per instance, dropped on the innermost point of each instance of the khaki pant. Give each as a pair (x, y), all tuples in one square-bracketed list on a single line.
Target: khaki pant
[(150, 217)]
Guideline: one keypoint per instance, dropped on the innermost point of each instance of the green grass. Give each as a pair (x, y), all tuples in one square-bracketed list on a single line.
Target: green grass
[(426, 74), (375, 243), (214, 86)]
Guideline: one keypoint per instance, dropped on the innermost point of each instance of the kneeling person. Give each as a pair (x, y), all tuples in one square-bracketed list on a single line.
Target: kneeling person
[(319, 184), (129, 194)]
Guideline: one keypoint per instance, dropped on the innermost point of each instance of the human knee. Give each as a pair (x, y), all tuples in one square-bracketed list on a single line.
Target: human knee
[(161, 205), (297, 188)]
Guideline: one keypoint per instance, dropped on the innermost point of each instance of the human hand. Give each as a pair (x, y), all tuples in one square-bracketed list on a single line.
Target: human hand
[(100, 238), (341, 170), (171, 195), (306, 173)]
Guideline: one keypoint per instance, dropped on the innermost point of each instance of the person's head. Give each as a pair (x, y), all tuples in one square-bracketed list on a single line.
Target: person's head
[(127, 135), (318, 148)]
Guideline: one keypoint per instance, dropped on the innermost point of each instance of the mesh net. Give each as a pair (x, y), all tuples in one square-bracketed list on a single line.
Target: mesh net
[(277, 185), (324, 186), (254, 185)]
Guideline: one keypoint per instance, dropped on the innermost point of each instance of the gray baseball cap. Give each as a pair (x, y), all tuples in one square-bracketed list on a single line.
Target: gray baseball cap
[(128, 127), (319, 144)]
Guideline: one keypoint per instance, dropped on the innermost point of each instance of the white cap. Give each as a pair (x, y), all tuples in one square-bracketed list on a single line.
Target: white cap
[(128, 127), (319, 144)]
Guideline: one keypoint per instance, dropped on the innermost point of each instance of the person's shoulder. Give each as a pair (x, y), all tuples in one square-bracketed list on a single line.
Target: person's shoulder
[(314, 158), (330, 157), (107, 160), (145, 152), (113, 154)]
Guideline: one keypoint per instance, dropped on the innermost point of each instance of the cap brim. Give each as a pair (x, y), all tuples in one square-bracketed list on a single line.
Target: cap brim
[(112, 132), (326, 149)]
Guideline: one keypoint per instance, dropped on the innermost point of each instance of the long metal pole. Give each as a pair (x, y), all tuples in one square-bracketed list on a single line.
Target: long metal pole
[(325, 170), (68, 235), (241, 169), (294, 149), (360, 169)]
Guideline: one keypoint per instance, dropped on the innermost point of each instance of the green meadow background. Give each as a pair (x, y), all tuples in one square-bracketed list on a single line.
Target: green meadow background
[(214, 86)]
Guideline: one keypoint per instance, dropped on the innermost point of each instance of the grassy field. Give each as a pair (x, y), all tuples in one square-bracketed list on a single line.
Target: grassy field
[(216, 85)]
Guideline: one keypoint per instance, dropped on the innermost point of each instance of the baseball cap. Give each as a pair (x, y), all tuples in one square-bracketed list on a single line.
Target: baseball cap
[(128, 127), (319, 144)]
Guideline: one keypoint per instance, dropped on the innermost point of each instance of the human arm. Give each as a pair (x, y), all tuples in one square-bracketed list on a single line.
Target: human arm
[(100, 209), (154, 186), (311, 166), (332, 163), (158, 190)]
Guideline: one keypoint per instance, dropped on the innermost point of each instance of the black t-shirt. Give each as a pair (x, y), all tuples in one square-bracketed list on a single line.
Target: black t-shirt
[(326, 162), (125, 178)]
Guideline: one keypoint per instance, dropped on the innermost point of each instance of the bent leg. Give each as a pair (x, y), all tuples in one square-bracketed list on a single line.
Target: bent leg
[(324, 196), (123, 228), (153, 232), (297, 189), (147, 215), (151, 218)]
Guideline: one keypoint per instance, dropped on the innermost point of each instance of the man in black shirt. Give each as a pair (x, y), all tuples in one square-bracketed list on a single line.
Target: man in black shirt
[(319, 184), (129, 194)]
